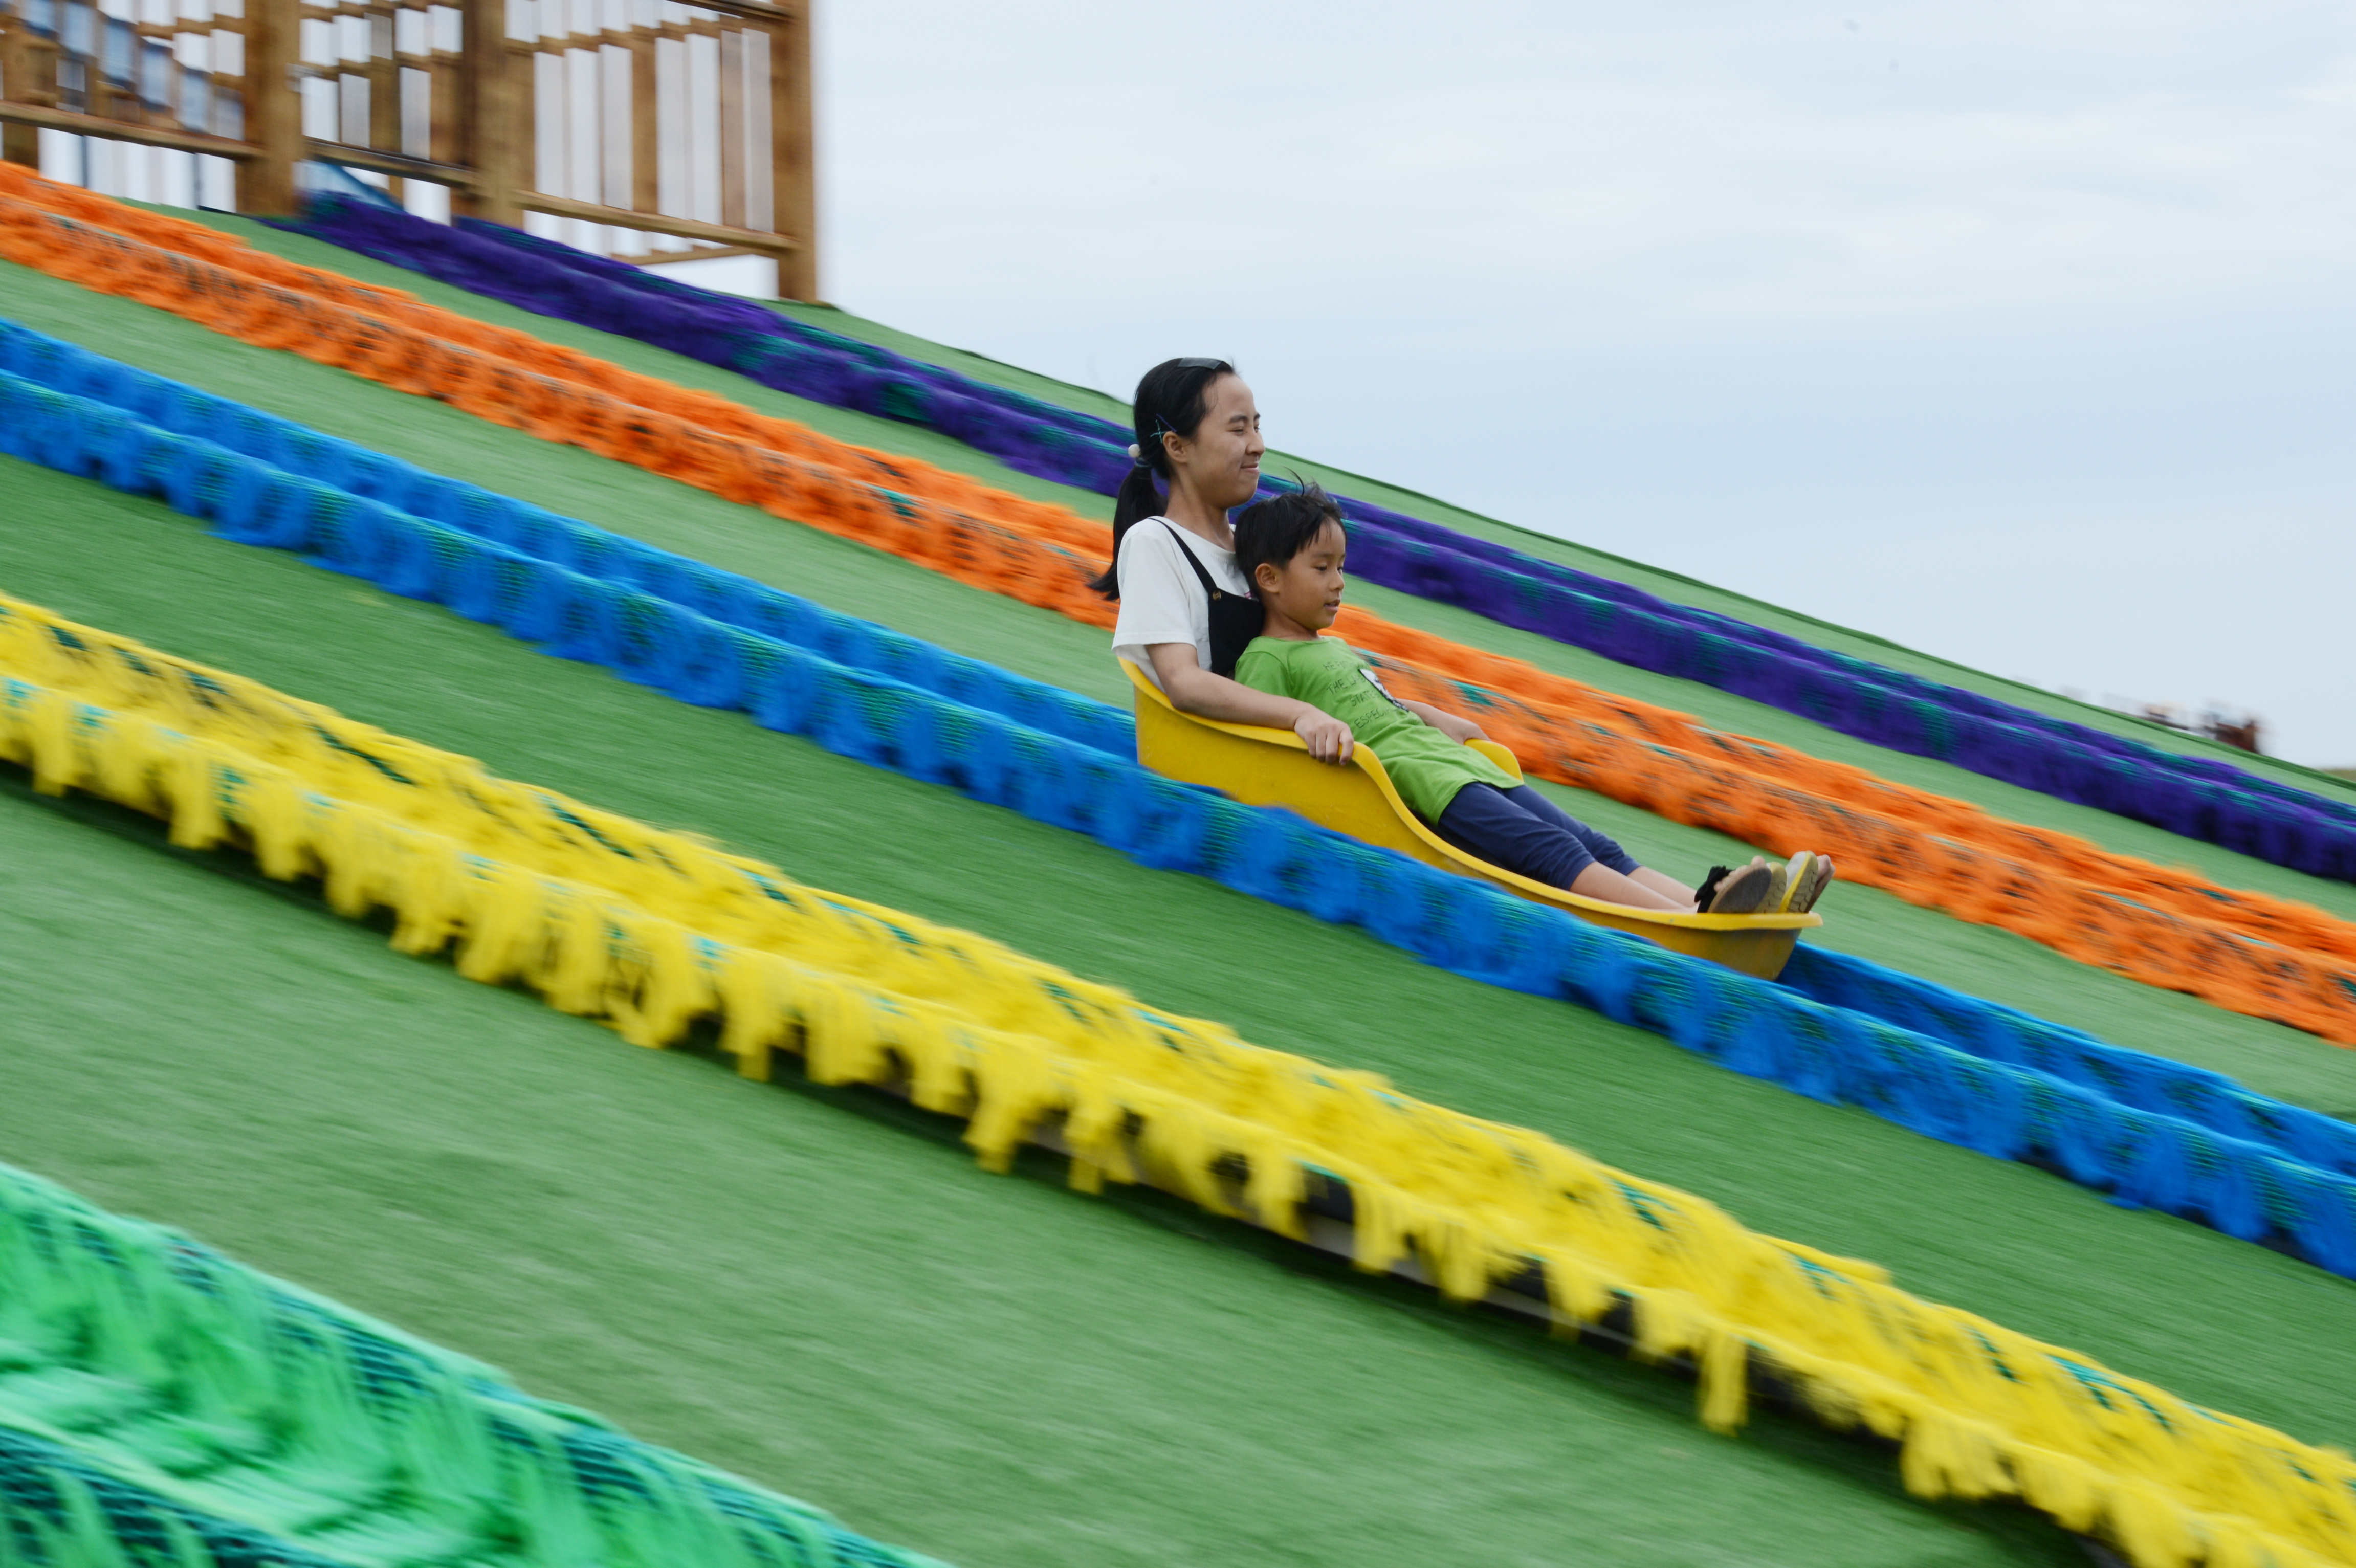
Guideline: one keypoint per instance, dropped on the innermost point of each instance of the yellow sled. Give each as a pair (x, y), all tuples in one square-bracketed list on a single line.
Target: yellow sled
[(1273, 767)]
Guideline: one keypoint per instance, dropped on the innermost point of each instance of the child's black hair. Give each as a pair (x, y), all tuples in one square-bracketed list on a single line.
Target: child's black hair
[(1171, 399), (1279, 527)]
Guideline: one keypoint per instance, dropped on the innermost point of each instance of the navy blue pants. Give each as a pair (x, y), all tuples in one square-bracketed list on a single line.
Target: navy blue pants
[(1527, 834)]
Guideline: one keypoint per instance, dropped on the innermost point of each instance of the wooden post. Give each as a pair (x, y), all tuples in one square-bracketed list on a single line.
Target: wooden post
[(383, 70), (273, 109), (645, 124), (732, 171), (27, 76), (445, 103), (229, 84), (493, 98), (158, 111), (792, 153)]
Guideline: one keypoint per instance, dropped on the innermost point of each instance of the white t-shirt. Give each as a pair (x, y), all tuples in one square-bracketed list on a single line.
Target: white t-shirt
[(1162, 600)]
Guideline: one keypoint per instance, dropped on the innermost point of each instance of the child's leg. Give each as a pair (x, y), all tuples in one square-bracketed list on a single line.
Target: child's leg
[(1600, 845), (1554, 847)]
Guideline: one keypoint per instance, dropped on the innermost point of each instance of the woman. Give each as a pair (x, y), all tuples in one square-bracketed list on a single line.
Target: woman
[(1186, 610)]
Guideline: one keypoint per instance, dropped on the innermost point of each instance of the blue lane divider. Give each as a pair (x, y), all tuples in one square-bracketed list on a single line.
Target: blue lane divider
[(2200, 1146), (2198, 797), (535, 532)]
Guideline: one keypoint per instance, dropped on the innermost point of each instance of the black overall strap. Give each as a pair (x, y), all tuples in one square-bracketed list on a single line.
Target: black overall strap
[(1235, 618), (1201, 572)]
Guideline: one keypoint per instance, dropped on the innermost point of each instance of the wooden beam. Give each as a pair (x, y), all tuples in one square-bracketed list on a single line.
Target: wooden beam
[(778, 245), (124, 131), (701, 253), (753, 11), (793, 152), (494, 96), (347, 156), (273, 109)]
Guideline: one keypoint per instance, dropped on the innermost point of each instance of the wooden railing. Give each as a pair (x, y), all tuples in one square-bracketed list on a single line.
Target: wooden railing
[(631, 126)]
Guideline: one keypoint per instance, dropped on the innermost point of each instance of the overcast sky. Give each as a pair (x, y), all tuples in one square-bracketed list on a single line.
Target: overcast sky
[(2020, 332)]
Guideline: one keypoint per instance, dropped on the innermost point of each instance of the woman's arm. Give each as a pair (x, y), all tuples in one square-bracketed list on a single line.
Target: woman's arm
[(1457, 730), (1193, 690)]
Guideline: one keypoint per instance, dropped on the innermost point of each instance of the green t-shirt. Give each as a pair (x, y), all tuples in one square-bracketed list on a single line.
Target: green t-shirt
[(1426, 766)]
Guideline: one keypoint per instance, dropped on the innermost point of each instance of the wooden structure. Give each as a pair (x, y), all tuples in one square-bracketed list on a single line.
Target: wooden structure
[(662, 124)]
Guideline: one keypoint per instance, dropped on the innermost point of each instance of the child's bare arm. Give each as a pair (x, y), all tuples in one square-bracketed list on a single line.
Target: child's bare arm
[(1193, 690), (1447, 723)]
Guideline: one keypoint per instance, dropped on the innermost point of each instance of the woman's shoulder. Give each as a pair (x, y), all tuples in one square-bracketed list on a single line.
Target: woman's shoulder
[(1152, 546), (1148, 534)]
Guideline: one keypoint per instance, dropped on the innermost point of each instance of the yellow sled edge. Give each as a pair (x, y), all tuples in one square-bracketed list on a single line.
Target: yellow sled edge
[(1273, 767)]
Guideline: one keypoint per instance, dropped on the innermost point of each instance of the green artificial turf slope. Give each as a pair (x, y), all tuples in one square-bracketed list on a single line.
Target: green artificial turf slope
[(1037, 643), (822, 1292), (2217, 1320), (445, 440)]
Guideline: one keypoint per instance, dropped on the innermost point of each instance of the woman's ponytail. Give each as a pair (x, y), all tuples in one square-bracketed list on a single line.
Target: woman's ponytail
[(1170, 400)]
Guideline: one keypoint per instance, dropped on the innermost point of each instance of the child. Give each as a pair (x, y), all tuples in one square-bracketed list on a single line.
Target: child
[(1291, 548)]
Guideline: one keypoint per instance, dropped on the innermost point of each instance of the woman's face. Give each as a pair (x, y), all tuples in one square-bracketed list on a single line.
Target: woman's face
[(1221, 462)]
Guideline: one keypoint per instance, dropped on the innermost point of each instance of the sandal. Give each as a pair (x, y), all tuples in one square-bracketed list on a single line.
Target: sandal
[(1809, 883), (1742, 891)]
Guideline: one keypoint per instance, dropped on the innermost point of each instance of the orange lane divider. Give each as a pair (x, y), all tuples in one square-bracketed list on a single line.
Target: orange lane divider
[(711, 413), (2266, 957), (2112, 926), (1557, 705)]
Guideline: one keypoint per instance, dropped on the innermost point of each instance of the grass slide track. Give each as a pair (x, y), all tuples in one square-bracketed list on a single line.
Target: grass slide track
[(934, 455), (1069, 656), (1016, 1377), (538, 695), (160, 1403), (2206, 797), (449, 1127), (2140, 1133), (2242, 951), (609, 919)]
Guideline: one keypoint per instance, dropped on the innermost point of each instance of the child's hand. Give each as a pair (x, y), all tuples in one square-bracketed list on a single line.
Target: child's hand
[(1327, 738)]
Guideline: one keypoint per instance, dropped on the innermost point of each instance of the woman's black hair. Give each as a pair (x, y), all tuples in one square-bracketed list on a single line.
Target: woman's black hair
[(1276, 529), (1170, 400)]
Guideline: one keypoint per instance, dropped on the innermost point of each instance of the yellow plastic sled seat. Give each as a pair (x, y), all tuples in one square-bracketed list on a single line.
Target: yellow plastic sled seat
[(1273, 767)]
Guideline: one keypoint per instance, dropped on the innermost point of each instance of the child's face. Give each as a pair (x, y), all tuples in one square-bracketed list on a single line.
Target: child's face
[(1307, 590)]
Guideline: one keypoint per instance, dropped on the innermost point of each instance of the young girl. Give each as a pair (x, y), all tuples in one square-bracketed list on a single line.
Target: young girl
[(1291, 548)]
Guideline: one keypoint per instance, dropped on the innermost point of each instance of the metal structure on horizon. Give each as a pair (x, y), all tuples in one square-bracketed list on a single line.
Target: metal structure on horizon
[(636, 127)]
